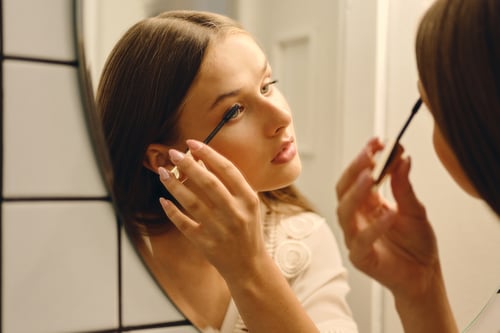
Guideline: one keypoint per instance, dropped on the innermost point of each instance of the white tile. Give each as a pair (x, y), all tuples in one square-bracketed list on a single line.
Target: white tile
[(143, 301), (39, 29), (47, 149), (59, 266)]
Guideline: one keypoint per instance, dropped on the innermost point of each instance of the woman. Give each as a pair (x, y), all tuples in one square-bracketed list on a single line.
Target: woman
[(458, 52), (239, 248)]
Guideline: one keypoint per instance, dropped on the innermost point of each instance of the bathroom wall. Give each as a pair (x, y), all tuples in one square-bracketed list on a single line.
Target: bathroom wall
[(66, 265)]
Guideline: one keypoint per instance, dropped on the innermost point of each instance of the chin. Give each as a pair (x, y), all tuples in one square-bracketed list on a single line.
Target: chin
[(284, 179)]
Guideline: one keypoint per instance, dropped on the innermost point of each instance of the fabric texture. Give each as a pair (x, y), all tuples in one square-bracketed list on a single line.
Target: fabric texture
[(306, 251)]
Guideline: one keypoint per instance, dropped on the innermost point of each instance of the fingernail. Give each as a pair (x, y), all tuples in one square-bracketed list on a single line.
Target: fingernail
[(194, 145), (165, 203), (163, 173), (175, 155)]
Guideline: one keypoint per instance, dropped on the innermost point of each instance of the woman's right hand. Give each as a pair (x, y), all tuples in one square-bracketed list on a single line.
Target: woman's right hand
[(393, 243)]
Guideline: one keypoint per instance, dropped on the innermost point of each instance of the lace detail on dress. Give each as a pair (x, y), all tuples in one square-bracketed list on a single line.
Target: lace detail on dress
[(284, 244), (298, 227), (292, 257)]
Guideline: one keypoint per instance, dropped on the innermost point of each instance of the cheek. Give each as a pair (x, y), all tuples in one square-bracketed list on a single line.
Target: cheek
[(450, 162), (243, 156)]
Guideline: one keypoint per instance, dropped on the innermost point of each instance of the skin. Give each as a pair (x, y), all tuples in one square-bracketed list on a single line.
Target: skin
[(445, 153), (394, 243), (237, 71), (221, 238)]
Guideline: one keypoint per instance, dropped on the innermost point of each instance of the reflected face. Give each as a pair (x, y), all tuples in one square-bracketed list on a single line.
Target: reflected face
[(446, 154), (260, 138)]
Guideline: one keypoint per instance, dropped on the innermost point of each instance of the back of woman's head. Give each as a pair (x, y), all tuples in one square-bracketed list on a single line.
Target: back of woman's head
[(458, 56), (140, 95)]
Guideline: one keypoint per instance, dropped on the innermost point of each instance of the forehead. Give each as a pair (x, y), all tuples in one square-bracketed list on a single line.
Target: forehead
[(229, 52), (230, 62)]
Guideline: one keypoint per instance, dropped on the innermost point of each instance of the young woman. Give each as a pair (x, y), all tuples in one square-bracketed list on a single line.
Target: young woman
[(458, 52), (234, 244)]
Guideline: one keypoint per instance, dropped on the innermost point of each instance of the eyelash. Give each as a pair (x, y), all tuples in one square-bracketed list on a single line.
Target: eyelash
[(268, 85), (242, 108), (237, 113)]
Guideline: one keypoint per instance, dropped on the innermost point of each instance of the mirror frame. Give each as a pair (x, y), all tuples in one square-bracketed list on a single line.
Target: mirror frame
[(103, 159)]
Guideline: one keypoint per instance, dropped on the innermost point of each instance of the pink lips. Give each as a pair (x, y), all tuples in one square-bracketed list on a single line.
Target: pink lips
[(286, 153)]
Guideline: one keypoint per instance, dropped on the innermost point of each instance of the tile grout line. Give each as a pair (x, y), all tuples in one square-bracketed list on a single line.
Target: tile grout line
[(1, 165), (73, 63)]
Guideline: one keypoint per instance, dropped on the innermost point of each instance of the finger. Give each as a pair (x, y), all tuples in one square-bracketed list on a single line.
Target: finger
[(362, 161), (195, 204), (362, 250), (403, 192), (352, 203), (179, 219), (221, 167), (201, 182), (385, 162)]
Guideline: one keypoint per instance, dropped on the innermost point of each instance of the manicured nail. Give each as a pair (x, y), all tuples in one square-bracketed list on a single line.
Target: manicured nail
[(175, 155), (163, 173), (164, 203), (194, 145)]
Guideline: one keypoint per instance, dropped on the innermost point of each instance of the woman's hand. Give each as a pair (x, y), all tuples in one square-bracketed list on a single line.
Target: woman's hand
[(221, 213), (393, 243), (221, 216)]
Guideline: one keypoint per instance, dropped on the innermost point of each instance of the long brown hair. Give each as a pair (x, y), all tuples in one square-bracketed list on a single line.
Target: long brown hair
[(458, 56), (143, 84)]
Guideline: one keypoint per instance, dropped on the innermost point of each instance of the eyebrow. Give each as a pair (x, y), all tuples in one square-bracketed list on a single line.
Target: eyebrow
[(235, 92)]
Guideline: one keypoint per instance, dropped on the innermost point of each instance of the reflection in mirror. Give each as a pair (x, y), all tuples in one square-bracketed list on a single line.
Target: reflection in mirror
[(237, 247)]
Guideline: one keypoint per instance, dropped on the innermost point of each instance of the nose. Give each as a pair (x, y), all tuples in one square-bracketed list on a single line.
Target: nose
[(277, 118)]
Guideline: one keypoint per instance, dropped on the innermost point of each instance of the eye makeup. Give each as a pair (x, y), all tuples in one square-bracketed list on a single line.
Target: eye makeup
[(390, 151), (227, 116)]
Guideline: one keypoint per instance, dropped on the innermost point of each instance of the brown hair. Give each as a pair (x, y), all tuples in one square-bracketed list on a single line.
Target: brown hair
[(143, 85), (458, 57)]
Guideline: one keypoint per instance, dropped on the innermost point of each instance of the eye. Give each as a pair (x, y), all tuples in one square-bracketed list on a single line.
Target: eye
[(237, 112), (267, 87)]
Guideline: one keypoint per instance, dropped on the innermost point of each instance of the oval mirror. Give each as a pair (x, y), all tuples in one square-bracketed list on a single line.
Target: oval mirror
[(291, 44), (99, 25)]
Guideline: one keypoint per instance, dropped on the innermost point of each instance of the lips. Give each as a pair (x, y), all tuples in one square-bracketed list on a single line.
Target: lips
[(286, 153)]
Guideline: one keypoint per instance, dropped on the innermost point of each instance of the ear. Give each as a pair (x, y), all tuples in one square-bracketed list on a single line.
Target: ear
[(156, 156)]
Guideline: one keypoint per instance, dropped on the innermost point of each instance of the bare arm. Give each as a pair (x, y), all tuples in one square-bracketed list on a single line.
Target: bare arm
[(428, 312)]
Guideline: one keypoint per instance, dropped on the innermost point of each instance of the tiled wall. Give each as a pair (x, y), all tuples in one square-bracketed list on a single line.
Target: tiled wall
[(65, 264)]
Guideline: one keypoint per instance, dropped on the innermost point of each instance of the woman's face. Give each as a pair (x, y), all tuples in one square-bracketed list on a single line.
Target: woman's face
[(260, 139), (446, 154)]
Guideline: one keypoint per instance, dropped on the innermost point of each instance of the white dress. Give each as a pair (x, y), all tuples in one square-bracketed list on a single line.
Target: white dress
[(307, 254)]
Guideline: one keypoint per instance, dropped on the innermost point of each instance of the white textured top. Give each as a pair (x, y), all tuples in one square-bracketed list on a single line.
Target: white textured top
[(306, 252)]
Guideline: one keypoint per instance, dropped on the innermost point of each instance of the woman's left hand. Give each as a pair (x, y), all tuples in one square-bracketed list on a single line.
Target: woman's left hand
[(221, 213)]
